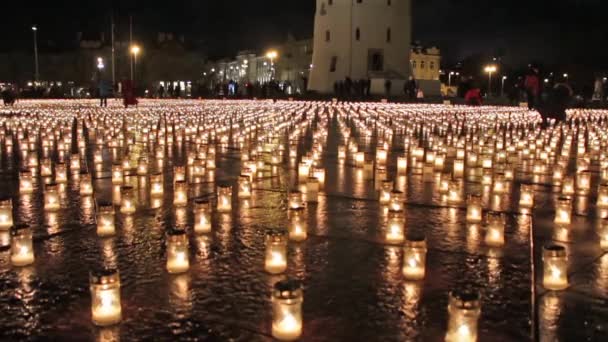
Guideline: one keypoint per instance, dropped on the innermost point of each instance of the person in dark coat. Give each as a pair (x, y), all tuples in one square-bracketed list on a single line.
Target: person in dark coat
[(554, 108), (532, 87), (105, 91), (410, 88), (387, 87)]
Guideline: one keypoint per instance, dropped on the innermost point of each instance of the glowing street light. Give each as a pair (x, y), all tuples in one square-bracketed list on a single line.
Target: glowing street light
[(134, 51), (502, 87), (36, 74), (100, 64), (272, 54), (490, 69)]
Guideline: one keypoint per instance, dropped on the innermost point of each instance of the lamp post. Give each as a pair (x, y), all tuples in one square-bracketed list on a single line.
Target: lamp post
[(100, 64), (134, 51), (490, 69), (271, 55), (450, 78), (35, 30), (502, 87)]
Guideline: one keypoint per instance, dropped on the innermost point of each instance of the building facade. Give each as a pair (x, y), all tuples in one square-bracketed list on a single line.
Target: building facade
[(361, 39), (426, 68)]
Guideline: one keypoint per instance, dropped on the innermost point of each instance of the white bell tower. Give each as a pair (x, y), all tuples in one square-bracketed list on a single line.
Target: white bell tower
[(360, 39)]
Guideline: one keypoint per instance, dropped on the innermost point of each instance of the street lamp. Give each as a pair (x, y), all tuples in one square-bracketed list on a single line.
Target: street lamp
[(134, 51), (100, 64), (490, 69), (566, 77), (272, 55), (502, 87), (35, 30)]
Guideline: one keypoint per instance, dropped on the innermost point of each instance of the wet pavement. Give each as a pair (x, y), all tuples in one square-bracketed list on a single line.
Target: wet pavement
[(354, 289)]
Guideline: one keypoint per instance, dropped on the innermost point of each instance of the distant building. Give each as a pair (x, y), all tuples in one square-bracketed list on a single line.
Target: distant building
[(361, 39), (425, 64)]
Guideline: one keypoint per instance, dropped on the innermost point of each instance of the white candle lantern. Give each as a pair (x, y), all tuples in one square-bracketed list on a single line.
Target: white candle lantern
[(414, 258), (341, 153), (177, 252), (602, 196), (295, 200), (276, 252), (464, 309), (22, 247), (555, 268), (142, 166), (287, 301), (454, 196), (303, 171), (500, 186), (106, 309), (6, 213), (179, 173), (127, 200), (224, 199), (474, 210), (202, 216), (381, 155), (359, 159), (297, 225), (117, 174), (386, 187), (156, 185), (568, 187), (61, 173), (397, 200), (526, 196), (75, 162), (210, 161), (25, 182), (402, 165), (106, 225), (312, 190), (495, 234), (583, 182), (86, 184), (395, 226), (244, 187), (458, 168), (180, 194), (51, 197), (563, 211), (319, 173)]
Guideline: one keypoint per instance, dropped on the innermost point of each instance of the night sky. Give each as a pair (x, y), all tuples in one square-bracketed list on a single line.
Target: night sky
[(554, 31)]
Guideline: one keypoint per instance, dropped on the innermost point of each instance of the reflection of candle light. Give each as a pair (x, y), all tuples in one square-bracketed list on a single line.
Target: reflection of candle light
[(6, 213), (177, 252), (276, 252), (555, 265), (22, 249)]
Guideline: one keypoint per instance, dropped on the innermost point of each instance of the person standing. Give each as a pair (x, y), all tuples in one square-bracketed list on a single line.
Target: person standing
[(411, 89), (387, 87), (105, 91), (532, 88)]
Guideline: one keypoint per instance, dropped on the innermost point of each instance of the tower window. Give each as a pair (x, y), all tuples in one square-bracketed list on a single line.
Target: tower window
[(359, 1), (432, 66), (330, 2), (422, 65), (388, 2), (388, 35), (327, 36), (375, 60), (333, 64), (413, 64), (358, 34)]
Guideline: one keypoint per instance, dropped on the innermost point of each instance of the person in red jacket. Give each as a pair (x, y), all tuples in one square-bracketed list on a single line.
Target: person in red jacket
[(532, 87), (473, 97)]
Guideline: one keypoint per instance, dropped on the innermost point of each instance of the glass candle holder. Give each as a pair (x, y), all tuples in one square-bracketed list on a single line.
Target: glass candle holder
[(386, 187), (75, 162), (500, 185), (458, 168), (202, 216), (555, 268), (568, 187), (179, 173), (210, 161), (276, 252), (454, 196), (127, 165), (61, 173), (397, 200), (177, 252), (51, 197), (526, 196), (287, 301), (563, 211), (359, 159), (295, 200), (117, 174), (26, 185), (558, 174), (474, 209), (106, 222), (414, 258), (583, 182), (198, 168), (244, 187), (106, 308), (603, 233), (402, 165), (127, 200), (86, 184), (464, 309), (180, 194), (156, 185), (142, 166), (297, 225), (381, 155), (303, 171), (341, 152), (312, 190), (319, 174), (224, 199), (22, 247), (6, 213), (495, 233), (395, 226)]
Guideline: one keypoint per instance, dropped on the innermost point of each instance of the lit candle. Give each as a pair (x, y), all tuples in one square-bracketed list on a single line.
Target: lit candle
[(402, 165), (386, 188), (117, 174), (397, 200), (414, 258), (127, 200), (22, 249), (464, 309), (395, 226), (156, 185), (359, 159), (381, 155), (6, 213), (303, 171), (75, 162), (312, 190), (105, 220), (319, 174), (276, 252), (499, 183), (297, 225), (177, 251), (210, 161), (555, 268), (495, 234), (583, 182), (295, 199), (179, 173), (142, 166), (61, 173), (568, 186), (202, 216), (474, 210), (458, 170), (25, 182), (526, 196), (287, 301), (224, 199), (244, 187), (51, 197), (454, 196), (86, 185), (180, 194), (105, 297), (563, 211), (602, 196)]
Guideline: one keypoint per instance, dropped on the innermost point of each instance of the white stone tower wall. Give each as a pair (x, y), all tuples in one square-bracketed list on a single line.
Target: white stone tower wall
[(373, 18)]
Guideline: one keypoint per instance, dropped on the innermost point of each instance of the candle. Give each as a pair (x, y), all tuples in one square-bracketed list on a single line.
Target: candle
[(454, 193), (177, 252), (414, 258), (297, 225), (312, 190), (602, 196), (276, 252), (86, 185), (341, 152), (61, 173), (179, 173), (142, 166), (25, 182), (295, 199), (287, 301), (495, 234), (458, 168), (75, 162), (156, 185), (397, 200), (303, 171), (499, 184), (105, 297), (319, 174), (526, 196), (583, 182), (117, 174), (244, 187), (402, 165), (474, 210), (105, 220), (6, 213), (180, 194), (563, 211), (210, 161), (359, 159), (127, 200), (555, 267), (22, 249), (202, 216), (395, 226), (224, 199), (386, 187), (51, 197), (568, 187), (464, 309), (381, 155)]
